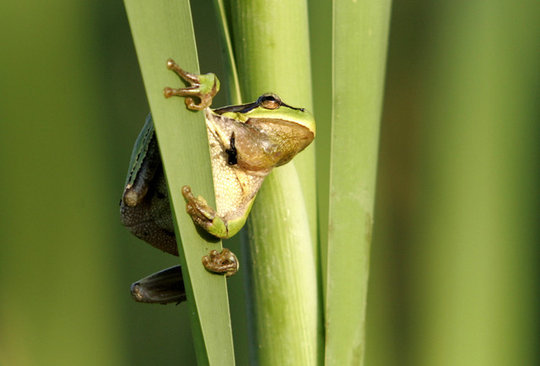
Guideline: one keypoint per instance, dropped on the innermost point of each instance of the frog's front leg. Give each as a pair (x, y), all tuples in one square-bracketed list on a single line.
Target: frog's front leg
[(204, 87), (207, 218)]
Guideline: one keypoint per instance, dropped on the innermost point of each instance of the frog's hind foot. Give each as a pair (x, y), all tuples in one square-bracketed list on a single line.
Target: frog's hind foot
[(223, 263)]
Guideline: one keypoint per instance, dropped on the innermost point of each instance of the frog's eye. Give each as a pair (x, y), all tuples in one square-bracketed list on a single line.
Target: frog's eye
[(269, 101), (272, 101)]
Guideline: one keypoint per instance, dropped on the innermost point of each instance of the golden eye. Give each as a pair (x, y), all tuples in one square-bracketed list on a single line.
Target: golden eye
[(269, 101)]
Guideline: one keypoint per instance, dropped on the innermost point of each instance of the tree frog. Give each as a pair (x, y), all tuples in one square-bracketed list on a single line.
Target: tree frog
[(246, 141)]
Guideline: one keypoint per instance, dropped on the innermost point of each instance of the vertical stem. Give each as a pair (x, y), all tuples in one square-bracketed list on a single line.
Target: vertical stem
[(272, 51), (284, 282), (360, 31)]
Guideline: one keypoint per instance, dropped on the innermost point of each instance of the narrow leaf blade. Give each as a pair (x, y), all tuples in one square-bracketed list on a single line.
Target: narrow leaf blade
[(163, 30)]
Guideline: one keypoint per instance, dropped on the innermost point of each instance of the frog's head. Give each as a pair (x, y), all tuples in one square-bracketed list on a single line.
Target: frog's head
[(270, 106), (287, 129)]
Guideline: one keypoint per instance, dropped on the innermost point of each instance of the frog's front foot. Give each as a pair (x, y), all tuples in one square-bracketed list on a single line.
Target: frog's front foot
[(204, 87), (204, 215), (224, 263)]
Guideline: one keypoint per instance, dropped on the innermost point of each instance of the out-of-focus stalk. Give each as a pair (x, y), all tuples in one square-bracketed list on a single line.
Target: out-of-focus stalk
[(360, 32)]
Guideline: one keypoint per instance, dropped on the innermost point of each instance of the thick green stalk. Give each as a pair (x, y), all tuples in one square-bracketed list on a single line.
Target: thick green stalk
[(272, 54), (162, 30), (272, 51), (360, 31), (284, 285)]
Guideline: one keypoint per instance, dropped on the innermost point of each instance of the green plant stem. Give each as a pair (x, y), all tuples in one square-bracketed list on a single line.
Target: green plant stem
[(360, 31), (272, 51), (284, 286), (272, 54)]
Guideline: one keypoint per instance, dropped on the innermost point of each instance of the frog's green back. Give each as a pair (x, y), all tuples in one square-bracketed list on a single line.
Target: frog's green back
[(140, 150)]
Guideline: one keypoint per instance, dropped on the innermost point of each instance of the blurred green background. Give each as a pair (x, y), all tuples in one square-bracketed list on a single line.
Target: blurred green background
[(455, 252)]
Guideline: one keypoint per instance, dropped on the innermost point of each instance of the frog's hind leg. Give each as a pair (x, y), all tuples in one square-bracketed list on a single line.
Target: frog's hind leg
[(150, 220), (136, 190), (224, 262), (163, 287), (144, 207)]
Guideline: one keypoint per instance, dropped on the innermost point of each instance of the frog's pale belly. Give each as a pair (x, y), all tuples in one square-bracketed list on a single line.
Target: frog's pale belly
[(234, 188)]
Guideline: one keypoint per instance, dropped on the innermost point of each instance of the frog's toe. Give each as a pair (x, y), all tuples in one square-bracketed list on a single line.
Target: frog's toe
[(203, 216), (197, 207), (223, 263), (188, 195)]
